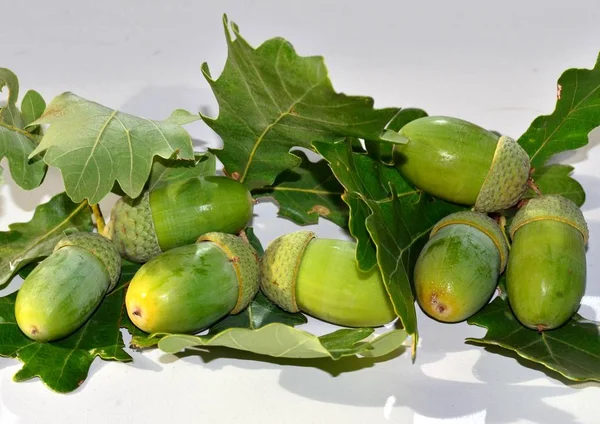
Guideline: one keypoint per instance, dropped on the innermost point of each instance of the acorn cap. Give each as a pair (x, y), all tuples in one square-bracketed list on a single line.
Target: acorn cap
[(245, 262), (483, 223), (100, 247), (551, 207), (132, 230), (279, 267), (506, 181)]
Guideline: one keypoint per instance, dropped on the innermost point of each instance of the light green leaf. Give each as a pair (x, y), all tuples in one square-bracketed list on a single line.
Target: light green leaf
[(16, 144), (63, 365), (282, 341), (28, 242), (307, 192), (94, 146), (167, 171), (271, 100), (577, 113), (555, 179)]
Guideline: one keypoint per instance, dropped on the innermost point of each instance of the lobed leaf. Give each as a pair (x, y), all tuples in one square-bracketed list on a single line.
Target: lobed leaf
[(28, 242), (577, 113), (271, 100), (95, 146)]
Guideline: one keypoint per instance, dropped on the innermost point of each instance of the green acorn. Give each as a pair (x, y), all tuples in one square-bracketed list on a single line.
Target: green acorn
[(457, 270), (462, 163), (320, 277), (546, 273), (189, 288), (177, 214), (65, 289)]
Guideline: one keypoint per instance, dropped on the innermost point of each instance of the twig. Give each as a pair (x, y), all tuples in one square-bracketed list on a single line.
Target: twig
[(100, 224), (19, 130)]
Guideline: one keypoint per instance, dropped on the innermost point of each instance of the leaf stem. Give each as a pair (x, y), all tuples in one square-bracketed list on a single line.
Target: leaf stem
[(19, 130), (100, 224)]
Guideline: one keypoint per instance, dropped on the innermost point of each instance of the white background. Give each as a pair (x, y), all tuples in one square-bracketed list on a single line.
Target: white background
[(495, 64)]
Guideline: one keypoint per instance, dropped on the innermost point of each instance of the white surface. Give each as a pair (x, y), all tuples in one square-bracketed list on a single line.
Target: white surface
[(493, 64)]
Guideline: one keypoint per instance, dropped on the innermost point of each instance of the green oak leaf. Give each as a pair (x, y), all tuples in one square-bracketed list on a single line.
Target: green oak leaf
[(398, 222), (167, 171), (555, 179), (28, 242), (577, 113), (572, 350), (271, 100), (282, 341), (94, 146), (254, 241), (63, 365), (307, 192), (16, 143)]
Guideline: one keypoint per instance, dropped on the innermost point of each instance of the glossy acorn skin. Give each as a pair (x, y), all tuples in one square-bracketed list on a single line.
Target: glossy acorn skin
[(456, 273), (320, 277), (183, 290), (546, 273), (330, 286), (446, 157), (60, 294), (184, 210)]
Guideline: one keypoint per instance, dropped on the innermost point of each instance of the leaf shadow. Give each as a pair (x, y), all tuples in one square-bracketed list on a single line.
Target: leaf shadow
[(215, 357)]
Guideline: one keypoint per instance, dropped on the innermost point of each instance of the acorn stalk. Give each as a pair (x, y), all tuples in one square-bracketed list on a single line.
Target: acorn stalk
[(177, 214), (321, 278), (65, 289), (546, 271), (457, 270), (462, 163), (189, 288)]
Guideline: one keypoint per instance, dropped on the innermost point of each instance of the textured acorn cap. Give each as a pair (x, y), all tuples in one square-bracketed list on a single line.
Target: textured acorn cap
[(100, 247), (132, 230), (550, 207), (279, 267), (245, 262), (483, 223), (506, 181)]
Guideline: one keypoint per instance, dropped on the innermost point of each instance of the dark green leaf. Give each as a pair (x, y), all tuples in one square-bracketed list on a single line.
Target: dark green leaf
[(572, 350), (32, 107), (17, 144), (307, 192), (398, 223), (27, 242), (167, 171), (366, 251), (260, 313), (383, 151), (63, 365), (271, 100), (555, 179), (254, 241), (577, 113), (94, 146)]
